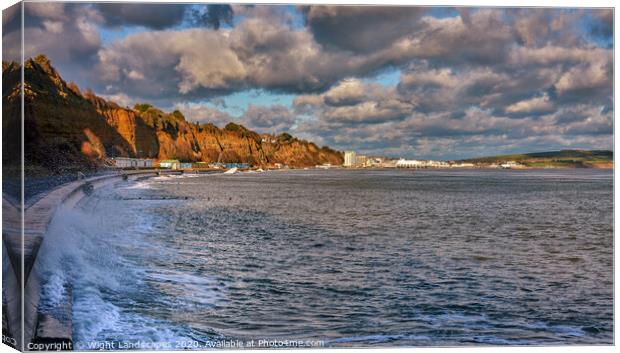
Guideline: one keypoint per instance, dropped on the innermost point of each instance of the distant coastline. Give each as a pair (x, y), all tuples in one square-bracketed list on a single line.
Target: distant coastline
[(601, 159)]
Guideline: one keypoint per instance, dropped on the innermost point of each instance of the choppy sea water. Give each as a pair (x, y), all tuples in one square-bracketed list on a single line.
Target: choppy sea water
[(349, 258)]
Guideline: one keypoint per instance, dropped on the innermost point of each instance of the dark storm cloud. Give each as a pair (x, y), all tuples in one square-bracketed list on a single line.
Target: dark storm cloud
[(538, 26), (11, 25), (151, 15), (11, 18), (360, 28), (67, 33)]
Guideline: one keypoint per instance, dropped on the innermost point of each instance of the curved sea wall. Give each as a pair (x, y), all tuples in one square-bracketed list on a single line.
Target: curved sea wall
[(42, 331)]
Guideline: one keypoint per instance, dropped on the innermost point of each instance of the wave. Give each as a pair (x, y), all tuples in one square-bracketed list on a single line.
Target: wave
[(97, 257)]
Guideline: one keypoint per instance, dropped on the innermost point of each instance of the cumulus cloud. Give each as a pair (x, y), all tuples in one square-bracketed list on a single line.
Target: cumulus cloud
[(181, 62), (65, 32), (534, 105), (263, 119), (51, 10), (552, 54), (347, 92), (351, 101), (360, 28), (202, 113), (271, 119), (585, 78)]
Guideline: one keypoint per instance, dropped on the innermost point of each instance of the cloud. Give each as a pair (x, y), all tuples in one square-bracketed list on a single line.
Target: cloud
[(447, 89), (202, 113), (538, 26), (67, 33), (47, 10), (585, 78), (272, 119), (151, 15), (183, 61), (533, 105), (263, 119), (121, 99), (352, 102), (347, 92), (552, 54), (360, 29)]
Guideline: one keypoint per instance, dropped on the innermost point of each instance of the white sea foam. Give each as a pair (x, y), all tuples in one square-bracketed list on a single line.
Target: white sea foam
[(92, 314), (191, 289), (96, 249), (562, 330), (140, 185)]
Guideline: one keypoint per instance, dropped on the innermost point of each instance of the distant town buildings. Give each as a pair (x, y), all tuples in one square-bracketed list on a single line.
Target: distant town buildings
[(376, 162), (462, 165), (360, 160), (403, 163), (354, 160), (349, 159)]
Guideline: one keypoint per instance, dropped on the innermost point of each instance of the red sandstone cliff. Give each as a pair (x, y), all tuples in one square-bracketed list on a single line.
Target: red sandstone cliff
[(68, 129)]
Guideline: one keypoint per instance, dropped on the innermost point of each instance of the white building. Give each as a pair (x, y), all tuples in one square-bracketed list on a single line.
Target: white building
[(349, 159), (404, 163), (509, 165), (462, 165)]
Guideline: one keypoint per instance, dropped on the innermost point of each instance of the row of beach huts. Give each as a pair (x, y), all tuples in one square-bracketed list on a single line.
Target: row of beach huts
[(142, 163)]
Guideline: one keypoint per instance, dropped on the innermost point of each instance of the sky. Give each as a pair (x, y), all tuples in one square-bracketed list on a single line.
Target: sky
[(414, 82)]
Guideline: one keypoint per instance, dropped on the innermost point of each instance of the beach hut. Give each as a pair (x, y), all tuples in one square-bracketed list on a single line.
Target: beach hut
[(169, 164)]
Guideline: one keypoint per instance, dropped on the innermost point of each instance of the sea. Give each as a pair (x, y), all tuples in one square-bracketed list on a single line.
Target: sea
[(338, 258)]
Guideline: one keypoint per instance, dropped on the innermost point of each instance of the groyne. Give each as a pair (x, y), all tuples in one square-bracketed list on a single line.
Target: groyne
[(49, 331)]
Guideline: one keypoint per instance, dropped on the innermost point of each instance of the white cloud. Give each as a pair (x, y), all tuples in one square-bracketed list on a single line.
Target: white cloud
[(533, 105)]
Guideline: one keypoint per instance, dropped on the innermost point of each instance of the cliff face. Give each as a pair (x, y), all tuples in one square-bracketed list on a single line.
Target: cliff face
[(67, 129)]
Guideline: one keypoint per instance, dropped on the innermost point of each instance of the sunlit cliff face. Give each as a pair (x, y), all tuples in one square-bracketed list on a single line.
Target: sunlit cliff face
[(424, 82)]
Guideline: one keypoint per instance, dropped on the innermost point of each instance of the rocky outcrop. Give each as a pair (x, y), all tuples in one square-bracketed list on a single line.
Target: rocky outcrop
[(66, 129)]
